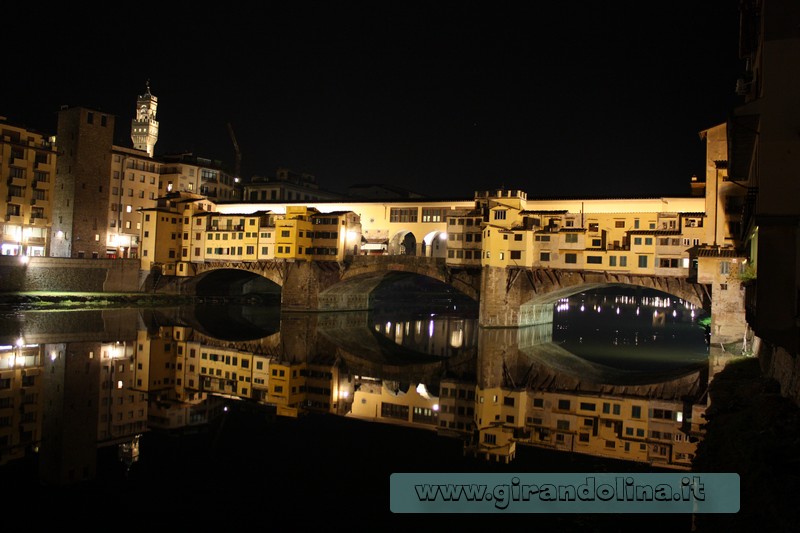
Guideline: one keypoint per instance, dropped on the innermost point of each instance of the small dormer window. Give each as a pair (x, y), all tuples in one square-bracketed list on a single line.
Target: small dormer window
[(500, 215)]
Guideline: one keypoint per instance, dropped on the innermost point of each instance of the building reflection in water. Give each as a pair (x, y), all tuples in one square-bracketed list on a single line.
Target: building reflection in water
[(66, 393)]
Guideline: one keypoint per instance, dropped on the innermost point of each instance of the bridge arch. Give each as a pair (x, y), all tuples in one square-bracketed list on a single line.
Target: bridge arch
[(363, 275), (235, 279), (524, 297), (538, 309), (552, 288)]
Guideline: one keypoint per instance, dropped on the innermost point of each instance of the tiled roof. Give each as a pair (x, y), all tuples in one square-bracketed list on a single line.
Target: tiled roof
[(654, 232), (717, 251)]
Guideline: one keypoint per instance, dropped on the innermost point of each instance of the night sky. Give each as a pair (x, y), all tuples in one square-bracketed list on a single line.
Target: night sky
[(443, 98)]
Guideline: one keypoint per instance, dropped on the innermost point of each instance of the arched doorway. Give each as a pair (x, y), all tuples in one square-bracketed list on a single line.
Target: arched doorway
[(403, 243), (435, 244)]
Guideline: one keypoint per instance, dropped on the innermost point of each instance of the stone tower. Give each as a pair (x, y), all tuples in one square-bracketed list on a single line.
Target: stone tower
[(144, 128)]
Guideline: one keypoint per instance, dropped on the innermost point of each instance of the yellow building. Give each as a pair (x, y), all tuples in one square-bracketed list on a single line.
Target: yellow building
[(186, 228), (335, 235), (231, 237), (408, 227), (641, 236), (654, 431), (27, 175), (173, 232), (286, 387), (294, 233), (21, 397)]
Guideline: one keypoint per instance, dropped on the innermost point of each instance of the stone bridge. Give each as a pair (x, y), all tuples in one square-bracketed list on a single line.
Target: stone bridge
[(509, 297), (512, 297), (334, 286)]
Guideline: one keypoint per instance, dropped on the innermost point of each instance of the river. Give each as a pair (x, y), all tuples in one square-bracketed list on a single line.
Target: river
[(247, 411)]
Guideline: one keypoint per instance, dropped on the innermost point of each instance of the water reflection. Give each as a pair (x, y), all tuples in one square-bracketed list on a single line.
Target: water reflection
[(73, 382)]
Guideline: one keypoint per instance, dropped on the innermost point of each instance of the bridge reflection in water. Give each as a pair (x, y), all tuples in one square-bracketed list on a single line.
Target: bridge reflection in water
[(176, 370)]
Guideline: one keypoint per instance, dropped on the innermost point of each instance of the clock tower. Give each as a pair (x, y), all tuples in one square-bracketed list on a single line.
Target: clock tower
[(144, 128)]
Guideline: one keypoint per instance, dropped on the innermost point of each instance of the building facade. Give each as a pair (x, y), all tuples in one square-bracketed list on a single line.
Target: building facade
[(186, 229), (103, 188), (100, 188), (198, 175), (27, 176), (286, 186), (764, 161)]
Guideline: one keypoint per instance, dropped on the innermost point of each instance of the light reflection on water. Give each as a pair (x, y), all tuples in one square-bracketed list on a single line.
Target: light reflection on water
[(626, 331), (621, 384)]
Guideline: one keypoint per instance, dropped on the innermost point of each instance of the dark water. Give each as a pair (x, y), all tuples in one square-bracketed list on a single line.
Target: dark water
[(631, 330), (113, 421)]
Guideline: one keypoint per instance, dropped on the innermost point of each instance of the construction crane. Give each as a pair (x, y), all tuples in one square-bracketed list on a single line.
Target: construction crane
[(238, 163)]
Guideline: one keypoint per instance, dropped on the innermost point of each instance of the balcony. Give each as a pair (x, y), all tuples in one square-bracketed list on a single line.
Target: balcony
[(16, 181), (39, 221)]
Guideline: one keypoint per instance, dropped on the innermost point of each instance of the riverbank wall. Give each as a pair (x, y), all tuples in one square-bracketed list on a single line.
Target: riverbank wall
[(69, 275)]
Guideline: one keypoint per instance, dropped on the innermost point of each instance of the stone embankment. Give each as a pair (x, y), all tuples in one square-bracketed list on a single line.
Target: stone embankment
[(79, 300)]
